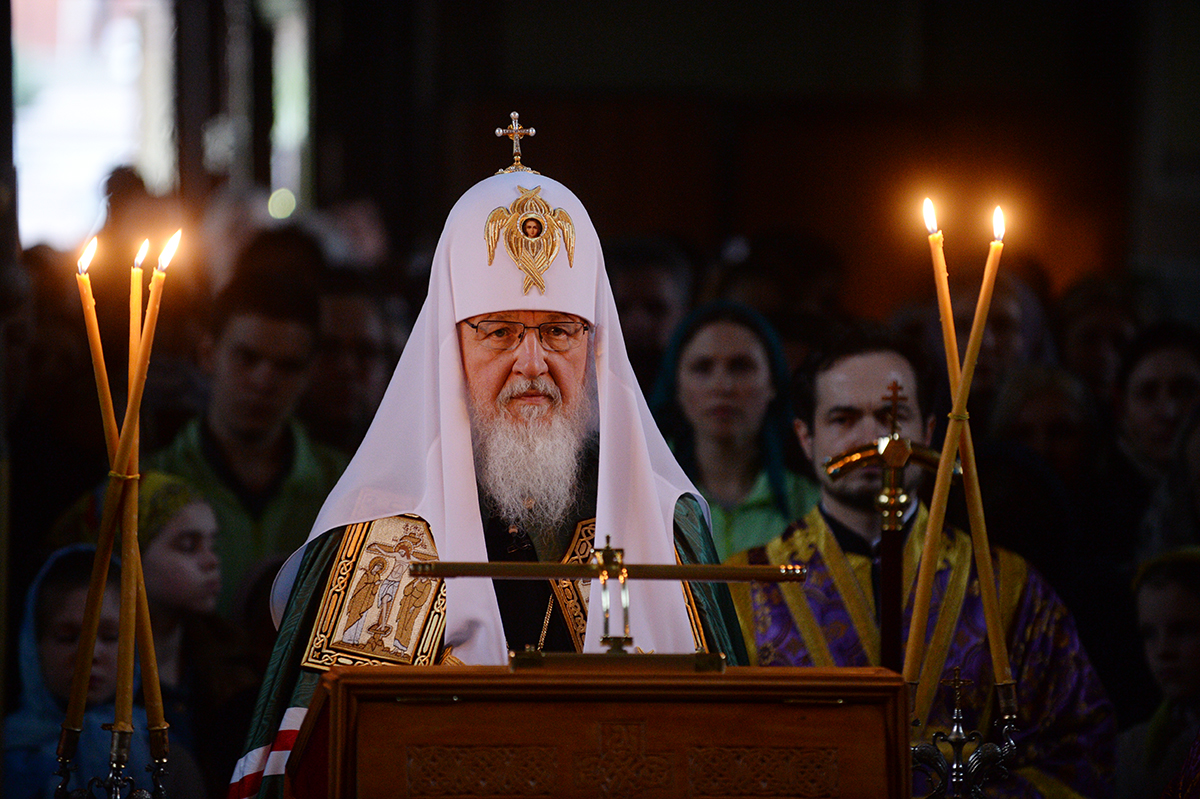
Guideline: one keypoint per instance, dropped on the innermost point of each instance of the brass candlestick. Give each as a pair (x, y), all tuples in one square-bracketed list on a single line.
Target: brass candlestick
[(608, 563)]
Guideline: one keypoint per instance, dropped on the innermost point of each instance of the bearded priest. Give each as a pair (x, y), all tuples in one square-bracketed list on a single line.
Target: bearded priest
[(513, 429)]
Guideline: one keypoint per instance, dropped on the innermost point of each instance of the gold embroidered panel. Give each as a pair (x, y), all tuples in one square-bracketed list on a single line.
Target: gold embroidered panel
[(572, 595), (374, 612)]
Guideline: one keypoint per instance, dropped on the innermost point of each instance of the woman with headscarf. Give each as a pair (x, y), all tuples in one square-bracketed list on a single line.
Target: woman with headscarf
[(722, 401)]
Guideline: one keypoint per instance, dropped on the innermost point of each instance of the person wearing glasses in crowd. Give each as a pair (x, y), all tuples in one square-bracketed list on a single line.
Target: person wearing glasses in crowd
[(513, 429)]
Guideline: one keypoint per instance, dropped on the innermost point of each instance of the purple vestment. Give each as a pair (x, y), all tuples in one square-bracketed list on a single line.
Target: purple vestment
[(1066, 729)]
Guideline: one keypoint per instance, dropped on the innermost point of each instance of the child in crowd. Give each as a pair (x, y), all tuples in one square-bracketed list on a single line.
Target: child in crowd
[(49, 637), (1167, 591), (207, 677), (208, 682)]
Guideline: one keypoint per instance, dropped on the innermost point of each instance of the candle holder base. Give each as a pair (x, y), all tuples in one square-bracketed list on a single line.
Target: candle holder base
[(617, 644), (114, 786), (963, 776)]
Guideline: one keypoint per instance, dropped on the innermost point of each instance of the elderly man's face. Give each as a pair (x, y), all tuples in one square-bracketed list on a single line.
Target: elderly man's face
[(489, 371)]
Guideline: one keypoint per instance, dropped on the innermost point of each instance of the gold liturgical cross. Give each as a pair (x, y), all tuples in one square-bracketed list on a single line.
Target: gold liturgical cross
[(515, 132), (895, 396), (892, 453), (958, 682)]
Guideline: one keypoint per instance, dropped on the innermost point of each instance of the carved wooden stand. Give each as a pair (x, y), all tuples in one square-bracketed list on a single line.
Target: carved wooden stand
[(604, 726)]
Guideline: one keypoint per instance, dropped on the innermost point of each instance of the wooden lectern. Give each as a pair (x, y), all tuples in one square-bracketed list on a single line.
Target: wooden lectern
[(629, 726)]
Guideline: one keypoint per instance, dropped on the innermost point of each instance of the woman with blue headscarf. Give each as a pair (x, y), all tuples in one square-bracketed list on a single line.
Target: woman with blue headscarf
[(722, 400)]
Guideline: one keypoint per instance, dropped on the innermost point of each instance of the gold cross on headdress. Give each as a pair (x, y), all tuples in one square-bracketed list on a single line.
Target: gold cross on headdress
[(515, 132)]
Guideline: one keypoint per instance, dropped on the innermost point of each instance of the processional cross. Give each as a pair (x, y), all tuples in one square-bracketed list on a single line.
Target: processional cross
[(893, 453)]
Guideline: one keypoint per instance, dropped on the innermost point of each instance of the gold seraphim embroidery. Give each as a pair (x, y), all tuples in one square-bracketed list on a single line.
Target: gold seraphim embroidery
[(533, 235)]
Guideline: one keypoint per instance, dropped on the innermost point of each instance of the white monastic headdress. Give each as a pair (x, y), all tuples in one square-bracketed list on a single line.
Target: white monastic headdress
[(417, 456)]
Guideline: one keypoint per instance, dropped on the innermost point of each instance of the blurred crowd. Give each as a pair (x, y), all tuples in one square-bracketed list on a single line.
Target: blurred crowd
[(275, 346)]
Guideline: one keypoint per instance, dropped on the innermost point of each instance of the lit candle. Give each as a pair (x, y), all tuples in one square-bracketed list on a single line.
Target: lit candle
[(941, 280), (975, 340), (73, 723), (921, 598), (120, 462), (84, 281), (131, 552), (135, 338), (137, 381), (135, 304), (131, 575), (914, 652)]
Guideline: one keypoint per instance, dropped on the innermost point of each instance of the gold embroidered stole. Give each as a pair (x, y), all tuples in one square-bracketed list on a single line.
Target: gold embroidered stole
[(572, 595), (852, 581), (800, 546), (955, 554)]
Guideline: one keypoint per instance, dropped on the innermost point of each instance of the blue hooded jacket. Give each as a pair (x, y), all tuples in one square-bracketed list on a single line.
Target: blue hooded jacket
[(31, 733)]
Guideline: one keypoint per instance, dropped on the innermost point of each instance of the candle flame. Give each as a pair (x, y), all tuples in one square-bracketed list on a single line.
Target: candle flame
[(169, 251), (89, 252), (930, 219), (998, 224), (141, 256)]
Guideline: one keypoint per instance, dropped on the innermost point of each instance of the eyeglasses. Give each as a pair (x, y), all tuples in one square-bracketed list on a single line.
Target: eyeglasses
[(503, 336)]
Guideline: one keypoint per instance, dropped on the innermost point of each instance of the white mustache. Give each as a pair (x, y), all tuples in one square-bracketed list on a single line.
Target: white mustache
[(522, 385)]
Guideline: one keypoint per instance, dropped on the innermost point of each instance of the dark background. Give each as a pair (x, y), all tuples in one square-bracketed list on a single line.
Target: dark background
[(706, 120)]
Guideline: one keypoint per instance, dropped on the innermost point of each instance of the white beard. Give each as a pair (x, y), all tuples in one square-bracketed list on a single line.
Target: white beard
[(528, 462)]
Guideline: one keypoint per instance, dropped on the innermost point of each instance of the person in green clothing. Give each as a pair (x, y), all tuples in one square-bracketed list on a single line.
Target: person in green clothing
[(722, 401), (263, 474)]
